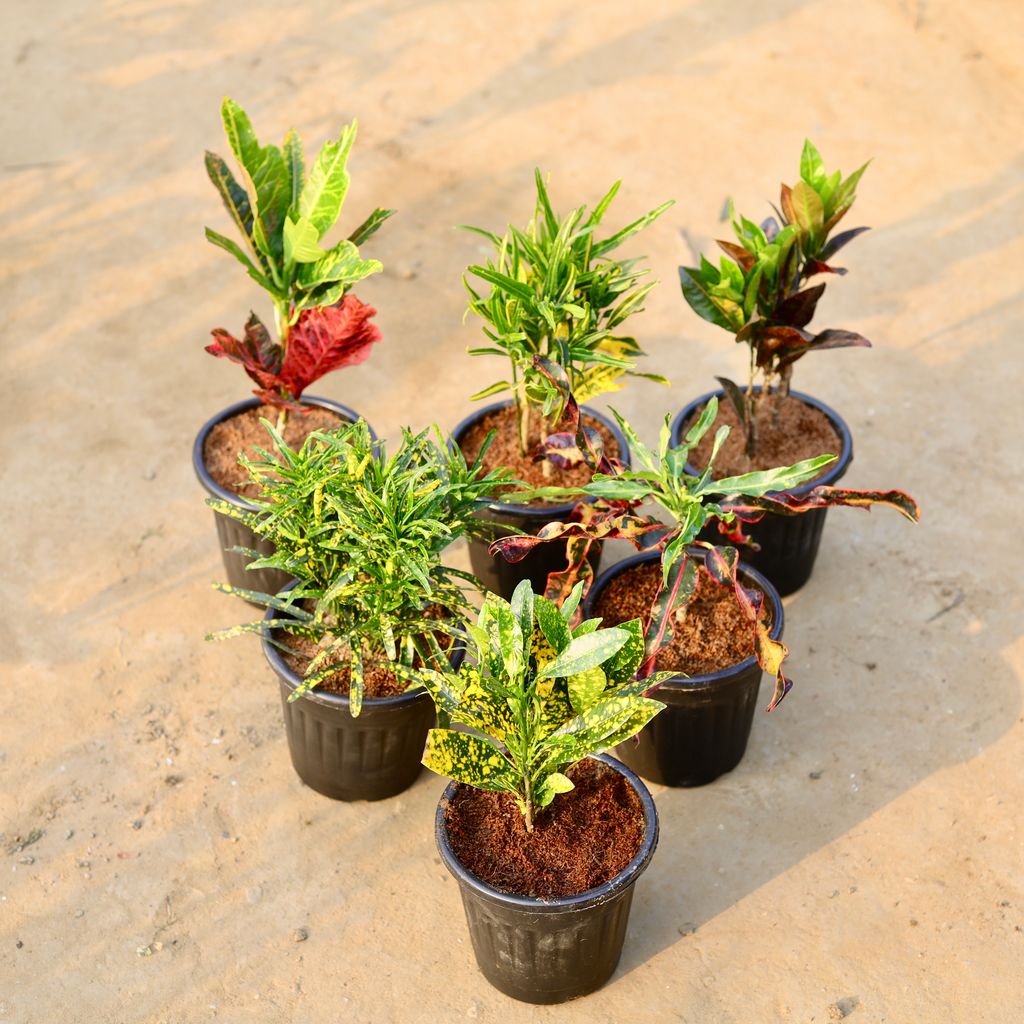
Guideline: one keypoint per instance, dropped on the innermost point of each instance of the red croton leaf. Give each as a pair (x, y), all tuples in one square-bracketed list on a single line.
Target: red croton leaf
[(322, 339), (257, 352), (327, 338)]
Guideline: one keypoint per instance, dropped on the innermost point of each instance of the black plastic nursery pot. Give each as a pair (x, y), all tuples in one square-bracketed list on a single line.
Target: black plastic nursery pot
[(230, 532), (548, 951), (495, 573), (788, 544), (703, 731), (372, 757)]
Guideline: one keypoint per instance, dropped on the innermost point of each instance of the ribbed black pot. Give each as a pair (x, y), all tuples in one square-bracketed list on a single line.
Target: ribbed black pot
[(703, 731), (503, 577), (233, 534), (788, 544), (548, 951), (371, 757)]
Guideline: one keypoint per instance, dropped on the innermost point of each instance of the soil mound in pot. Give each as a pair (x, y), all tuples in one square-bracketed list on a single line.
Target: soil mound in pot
[(582, 839), (504, 451), (788, 431), (714, 634), (244, 434)]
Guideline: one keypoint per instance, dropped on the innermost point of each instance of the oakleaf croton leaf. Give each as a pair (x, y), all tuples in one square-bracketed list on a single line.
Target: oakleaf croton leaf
[(324, 338)]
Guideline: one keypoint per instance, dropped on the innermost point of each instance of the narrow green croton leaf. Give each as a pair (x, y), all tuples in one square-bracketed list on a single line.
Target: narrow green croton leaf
[(355, 689), (236, 250), (585, 652), (370, 226), (473, 760), (295, 165), (553, 625), (780, 479)]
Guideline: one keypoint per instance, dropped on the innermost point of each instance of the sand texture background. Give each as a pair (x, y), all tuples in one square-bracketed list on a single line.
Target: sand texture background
[(864, 860)]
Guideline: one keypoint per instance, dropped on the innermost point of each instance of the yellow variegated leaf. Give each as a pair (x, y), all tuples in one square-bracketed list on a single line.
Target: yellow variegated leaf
[(470, 759)]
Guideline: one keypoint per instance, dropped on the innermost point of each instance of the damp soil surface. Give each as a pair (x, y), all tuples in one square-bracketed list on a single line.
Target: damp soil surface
[(581, 840), (244, 433), (504, 452), (788, 431), (713, 633)]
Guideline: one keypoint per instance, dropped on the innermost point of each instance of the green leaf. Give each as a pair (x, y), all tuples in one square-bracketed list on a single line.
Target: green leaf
[(704, 304), (324, 191), (812, 169), (704, 422), (300, 242), (585, 652), (586, 687), (550, 786), (236, 250), (623, 665), (474, 760), (808, 209), (295, 166), (779, 479), (234, 197), (370, 226), (553, 624)]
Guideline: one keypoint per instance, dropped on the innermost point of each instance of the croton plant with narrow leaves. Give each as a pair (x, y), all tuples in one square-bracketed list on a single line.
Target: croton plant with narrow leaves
[(283, 213), (363, 533), (542, 696), (759, 291), (556, 292), (687, 503)]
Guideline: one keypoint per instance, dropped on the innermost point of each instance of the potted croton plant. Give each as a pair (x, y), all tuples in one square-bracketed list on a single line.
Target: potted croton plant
[(710, 622), (283, 213), (760, 292), (556, 309), (360, 534), (545, 841)]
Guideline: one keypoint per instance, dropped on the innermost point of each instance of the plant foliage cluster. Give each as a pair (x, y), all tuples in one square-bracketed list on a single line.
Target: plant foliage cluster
[(557, 293), (363, 533), (541, 696), (759, 291), (686, 503), (283, 211)]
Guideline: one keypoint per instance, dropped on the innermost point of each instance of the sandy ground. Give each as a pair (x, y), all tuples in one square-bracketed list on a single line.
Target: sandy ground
[(864, 860)]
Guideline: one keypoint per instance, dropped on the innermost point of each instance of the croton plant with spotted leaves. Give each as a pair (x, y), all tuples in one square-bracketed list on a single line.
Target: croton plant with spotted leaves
[(283, 214), (687, 504), (543, 695)]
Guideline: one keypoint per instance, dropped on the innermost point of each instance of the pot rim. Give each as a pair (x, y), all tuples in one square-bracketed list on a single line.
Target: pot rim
[(835, 472), (546, 513), (704, 680), (210, 485), (336, 700), (559, 904)]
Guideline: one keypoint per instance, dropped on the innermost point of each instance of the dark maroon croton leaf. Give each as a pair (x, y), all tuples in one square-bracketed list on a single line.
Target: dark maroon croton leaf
[(751, 510), (323, 339)]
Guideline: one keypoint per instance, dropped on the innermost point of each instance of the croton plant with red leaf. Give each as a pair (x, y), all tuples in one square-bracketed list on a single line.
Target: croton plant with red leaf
[(611, 513), (283, 213), (759, 290)]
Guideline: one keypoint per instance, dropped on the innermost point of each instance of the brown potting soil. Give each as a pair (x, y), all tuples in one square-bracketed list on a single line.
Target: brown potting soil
[(582, 839), (712, 635), (504, 451), (788, 431), (243, 433)]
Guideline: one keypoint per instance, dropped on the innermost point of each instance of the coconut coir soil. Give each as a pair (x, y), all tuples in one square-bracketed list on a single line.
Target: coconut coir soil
[(244, 434), (788, 431), (504, 451), (713, 634), (581, 840)]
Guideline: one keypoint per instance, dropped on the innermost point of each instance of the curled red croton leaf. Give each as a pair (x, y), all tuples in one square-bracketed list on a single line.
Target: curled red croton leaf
[(322, 339)]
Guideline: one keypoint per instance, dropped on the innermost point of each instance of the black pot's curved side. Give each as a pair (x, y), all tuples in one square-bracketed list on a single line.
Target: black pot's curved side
[(703, 731), (502, 577), (372, 757), (548, 951), (230, 532), (788, 544)]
